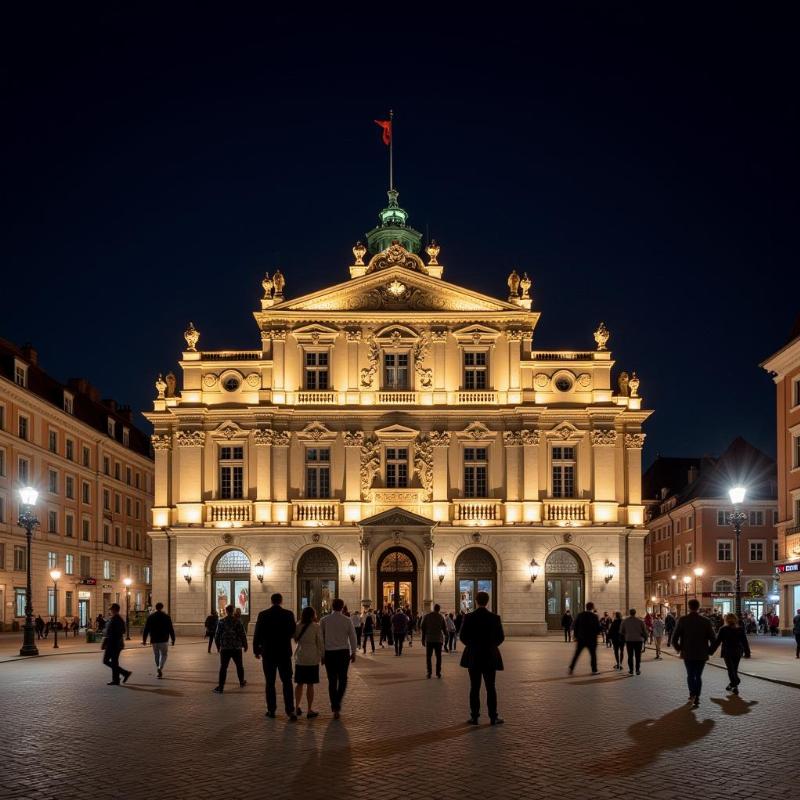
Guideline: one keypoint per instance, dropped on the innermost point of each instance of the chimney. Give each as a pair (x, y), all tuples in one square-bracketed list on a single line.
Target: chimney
[(693, 473), (82, 386), (124, 412), (110, 404), (29, 354)]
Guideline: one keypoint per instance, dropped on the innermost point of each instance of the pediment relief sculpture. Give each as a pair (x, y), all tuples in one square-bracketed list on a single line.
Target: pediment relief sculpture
[(476, 431), (316, 431)]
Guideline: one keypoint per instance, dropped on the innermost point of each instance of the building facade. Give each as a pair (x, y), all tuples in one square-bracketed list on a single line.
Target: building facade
[(690, 549), (785, 369), (397, 438), (94, 475)]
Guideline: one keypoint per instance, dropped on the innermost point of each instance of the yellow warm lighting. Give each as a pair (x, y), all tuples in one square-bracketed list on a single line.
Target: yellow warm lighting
[(55, 574), (160, 517)]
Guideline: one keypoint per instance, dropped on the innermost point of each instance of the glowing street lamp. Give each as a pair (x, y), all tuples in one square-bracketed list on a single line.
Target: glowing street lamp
[(127, 582), (352, 570), (535, 570), (609, 569), (698, 573), (55, 574), (260, 570), (27, 520), (441, 569), (736, 518), (686, 581)]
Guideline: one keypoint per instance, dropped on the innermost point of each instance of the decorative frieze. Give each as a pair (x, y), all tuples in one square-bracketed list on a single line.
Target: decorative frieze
[(263, 437), (161, 441), (419, 353), (634, 441), (281, 438), (373, 357), (190, 438), (604, 437), (353, 438), (512, 438), (530, 438), (440, 438), (353, 334)]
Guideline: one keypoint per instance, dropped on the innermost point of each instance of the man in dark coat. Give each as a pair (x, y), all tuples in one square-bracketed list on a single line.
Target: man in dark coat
[(159, 628), (272, 642), (482, 634), (669, 627), (693, 639), (566, 624), (586, 628), (113, 642)]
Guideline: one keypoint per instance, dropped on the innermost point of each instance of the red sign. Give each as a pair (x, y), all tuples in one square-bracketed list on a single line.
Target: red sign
[(88, 581), (795, 567)]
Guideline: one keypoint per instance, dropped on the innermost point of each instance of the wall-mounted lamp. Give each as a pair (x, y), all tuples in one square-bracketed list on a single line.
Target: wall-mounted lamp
[(186, 571), (608, 571), (441, 569), (535, 569), (352, 569), (260, 569)]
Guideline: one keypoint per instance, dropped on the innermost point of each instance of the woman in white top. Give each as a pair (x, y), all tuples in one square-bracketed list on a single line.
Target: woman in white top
[(307, 658)]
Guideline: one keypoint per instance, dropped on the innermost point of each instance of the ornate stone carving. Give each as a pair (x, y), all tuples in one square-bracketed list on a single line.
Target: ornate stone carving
[(172, 384), (373, 357), (476, 537), (420, 352), (210, 380), (363, 540), (266, 285), (514, 335), (278, 283), (229, 431), (427, 541), (525, 285), (634, 385), (513, 285), (477, 431), (584, 380), (423, 465), (353, 438), (541, 380), (315, 337), (160, 386), (433, 250), (512, 438), (601, 336), (567, 537), (622, 384), (635, 441), (253, 380), (316, 431), (281, 438), (359, 251), (439, 334), (353, 334), (370, 464), (315, 538), (190, 438), (530, 438), (397, 289), (228, 538), (278, 334), (440, 438), (263, 436), (192, 336), (604, 437), (161, 441)]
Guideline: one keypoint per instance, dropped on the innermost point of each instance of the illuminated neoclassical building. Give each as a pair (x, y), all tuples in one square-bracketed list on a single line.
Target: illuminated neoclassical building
[(397, 437)]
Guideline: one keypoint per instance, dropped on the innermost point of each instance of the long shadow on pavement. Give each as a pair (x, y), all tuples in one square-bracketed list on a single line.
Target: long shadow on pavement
[(733, 705)]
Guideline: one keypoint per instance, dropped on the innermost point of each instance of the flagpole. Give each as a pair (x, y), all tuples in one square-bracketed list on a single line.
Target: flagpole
[(391, 145)]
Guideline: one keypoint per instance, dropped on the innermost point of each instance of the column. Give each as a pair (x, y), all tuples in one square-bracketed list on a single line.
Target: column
[(512, 441), (514, 338), (279, 362), (634, 442), (532, 506), (280, 476), (162, 483), (441, 505), (366, 578), (439, 338), (604, 505), (262, 440), (427, 575), (353, 343), (353, 440), (190, 476)]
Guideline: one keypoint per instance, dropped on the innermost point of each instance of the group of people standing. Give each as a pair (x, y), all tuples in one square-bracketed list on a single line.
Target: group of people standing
[(43, 628)]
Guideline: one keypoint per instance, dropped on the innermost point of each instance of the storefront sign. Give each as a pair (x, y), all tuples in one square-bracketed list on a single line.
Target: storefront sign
[(88, 581), (795, 567), (722, 594), (84, 595)]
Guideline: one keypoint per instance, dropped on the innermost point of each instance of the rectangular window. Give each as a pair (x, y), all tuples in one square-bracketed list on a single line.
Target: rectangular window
[(774, 517), (795, 452), (475, 370), (69, 450), (2, 417), (22, 427), (138, 541), (52, 560), (106, 466), (106, 533), (677, 526), (128, 475), (68, 603), (757, 550), (86, 567), (23, 470), (86, 530), (146, 571), (316, 373), (796, 392), (2, 463), (689, 553), (86, 493), (231, 473), (69, 487), (19, 559), (106, 500), (395, 371), (128, 538), (137, 480), (756, 519), (775, 550), (19, 602), (128, 506), (138, 510), (116, 470), (563, 459), (52, 481), (111, 427), (69, 526), (69, 564), (724, 550), (677, 556), (52, 441), (722, 518), (475, 466), (69, 404), (107, 570), (396, 467), (117, 536), (690, 522), (51, 601), (21, 375), (117, 504), (2, 513), (52, 522), (87, 457), (318, 472)]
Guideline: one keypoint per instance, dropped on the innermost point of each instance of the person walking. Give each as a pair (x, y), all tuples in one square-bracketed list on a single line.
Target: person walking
[(634, 632), (733, 639), (230, 639), (386, 627), (307, 657), (658, 634), (272, 643), (648, 623), (433, 631), (212, 620), (113, 644), (482, 634), (566, 624), (452, 632), (669, 627), (605, 624), (339, 637), (693, 640), (158, 627), (774, 624), (39, 625), (587, 629), (617, 639), (358, 624), (368, 630), (399, 629), (796, 632)]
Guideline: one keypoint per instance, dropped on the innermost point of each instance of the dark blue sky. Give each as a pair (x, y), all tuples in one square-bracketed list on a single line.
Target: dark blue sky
[(640, 164)]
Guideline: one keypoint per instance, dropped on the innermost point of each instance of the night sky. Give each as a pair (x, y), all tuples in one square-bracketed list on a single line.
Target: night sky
[(641, 166)]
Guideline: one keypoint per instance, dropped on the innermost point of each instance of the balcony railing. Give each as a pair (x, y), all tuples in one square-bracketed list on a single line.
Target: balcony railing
[(229, 511), (567, 510), (315, 511), (539, 355), (225, 355), (397, 398), (316, 398), (477, 511), (476, 397)]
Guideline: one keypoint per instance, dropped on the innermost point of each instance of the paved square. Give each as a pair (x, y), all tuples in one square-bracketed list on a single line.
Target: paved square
[(67, 734)]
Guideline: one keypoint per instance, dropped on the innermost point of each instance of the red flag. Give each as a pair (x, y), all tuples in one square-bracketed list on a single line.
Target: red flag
[(386, 124)]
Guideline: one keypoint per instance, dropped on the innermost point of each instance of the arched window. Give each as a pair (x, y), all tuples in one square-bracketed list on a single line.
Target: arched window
[(723, 585), (476, 571)]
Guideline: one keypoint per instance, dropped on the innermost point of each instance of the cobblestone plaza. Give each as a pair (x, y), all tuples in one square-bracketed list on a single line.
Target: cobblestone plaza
[(69, 735)]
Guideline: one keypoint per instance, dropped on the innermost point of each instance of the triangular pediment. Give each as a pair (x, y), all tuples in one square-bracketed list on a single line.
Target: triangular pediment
[(397, 517), (394, 289)]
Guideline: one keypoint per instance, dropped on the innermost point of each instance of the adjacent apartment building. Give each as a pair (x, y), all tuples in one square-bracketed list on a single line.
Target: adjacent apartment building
[(691, 547), (784, 367), (93, 470)]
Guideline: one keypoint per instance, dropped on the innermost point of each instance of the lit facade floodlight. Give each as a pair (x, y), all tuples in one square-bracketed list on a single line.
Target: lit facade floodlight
[(609, 570), (698, 572), (127, 582)]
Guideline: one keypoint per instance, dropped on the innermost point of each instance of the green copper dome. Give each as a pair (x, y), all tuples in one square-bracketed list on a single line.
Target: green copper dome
[(393, 228)]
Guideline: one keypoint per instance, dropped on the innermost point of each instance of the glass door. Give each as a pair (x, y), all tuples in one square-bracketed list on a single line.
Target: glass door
[(468, 588), (319, 593), (232, 591), (83, 613)]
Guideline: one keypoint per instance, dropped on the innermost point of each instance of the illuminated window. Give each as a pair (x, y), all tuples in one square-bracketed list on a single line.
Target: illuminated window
[(475, 370), (475, 465), (316, 371), (724, 550), (397, 467), (563, 463), (395, 371), (231, 473), (318, 472)]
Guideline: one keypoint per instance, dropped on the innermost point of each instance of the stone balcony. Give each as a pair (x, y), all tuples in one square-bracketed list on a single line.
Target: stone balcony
[(477, 512), (566, 511), (316, 512), (229, 511)]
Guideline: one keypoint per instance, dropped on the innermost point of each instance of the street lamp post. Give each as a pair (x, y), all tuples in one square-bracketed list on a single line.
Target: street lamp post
[(698, 573), (686, 581), (736, 518), (127, 583), (55, 574), (27, 520)]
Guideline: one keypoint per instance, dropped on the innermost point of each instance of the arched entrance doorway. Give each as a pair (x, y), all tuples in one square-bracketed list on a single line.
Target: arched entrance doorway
[(564, 581), (397, 578), (230, 583), (317, 580), (476, 571)]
